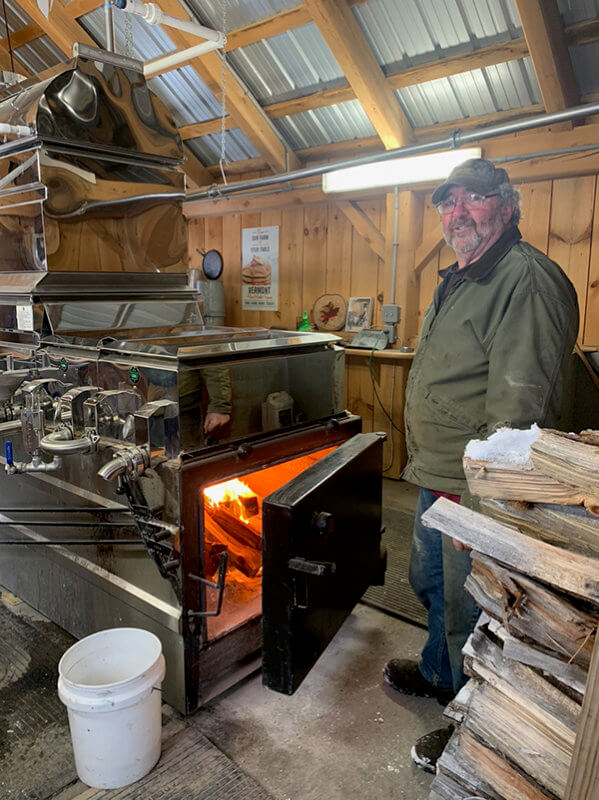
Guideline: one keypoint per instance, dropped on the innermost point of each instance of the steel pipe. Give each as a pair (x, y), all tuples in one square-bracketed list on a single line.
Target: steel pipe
[(456, 139), (109, 26), (62, 443)]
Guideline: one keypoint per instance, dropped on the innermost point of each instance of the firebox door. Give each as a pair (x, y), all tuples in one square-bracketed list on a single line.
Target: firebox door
[(321, 550)]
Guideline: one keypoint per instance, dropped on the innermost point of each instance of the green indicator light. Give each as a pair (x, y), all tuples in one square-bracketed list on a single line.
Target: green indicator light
[(63, 364), (134, 374)]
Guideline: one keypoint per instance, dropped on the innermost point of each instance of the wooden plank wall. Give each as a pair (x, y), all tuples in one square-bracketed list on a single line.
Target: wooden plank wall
[(320, 252)]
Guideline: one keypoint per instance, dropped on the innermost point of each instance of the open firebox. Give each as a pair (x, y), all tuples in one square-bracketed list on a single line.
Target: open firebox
[(202, 483), (298, 519)]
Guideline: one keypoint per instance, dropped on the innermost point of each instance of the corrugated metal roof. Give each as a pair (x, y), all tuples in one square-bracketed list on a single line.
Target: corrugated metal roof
[(237, 147), (585, 58), (402, 33), (39, 54), (238, 12), (182, 91), (299, 62), (17, 18), (324, 125), (287, 65), (470, 94), (578, 10), (133, 36)]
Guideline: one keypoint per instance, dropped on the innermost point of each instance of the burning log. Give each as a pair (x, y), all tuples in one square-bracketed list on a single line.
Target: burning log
[(245, 559), (234, 527)]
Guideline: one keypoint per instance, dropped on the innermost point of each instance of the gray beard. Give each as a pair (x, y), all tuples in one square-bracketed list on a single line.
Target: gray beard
[(465, 248)]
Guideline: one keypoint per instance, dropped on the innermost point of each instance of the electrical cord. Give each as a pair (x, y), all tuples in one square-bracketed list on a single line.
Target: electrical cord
[(376, 394)]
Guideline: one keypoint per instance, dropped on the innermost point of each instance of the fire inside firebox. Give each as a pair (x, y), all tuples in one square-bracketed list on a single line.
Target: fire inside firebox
[(233, 523)]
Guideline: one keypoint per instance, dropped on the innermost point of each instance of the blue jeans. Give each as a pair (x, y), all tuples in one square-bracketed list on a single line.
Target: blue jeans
[(437, 575)]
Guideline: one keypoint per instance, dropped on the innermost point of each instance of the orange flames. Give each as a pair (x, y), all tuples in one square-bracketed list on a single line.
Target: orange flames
[(234, 495)]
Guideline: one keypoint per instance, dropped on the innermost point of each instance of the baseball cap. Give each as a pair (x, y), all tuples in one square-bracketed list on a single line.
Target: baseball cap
[(476, 174)]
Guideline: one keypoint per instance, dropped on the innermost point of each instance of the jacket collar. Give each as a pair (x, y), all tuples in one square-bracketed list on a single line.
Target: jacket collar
[(483, 266)]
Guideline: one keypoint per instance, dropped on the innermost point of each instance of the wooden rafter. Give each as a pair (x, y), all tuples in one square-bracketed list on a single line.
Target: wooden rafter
[(64, 31), (243, 107), (364, 226), (523, 169), (546, 41), (341, 32)]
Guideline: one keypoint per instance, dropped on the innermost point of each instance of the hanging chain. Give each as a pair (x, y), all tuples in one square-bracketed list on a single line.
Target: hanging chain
[(223, 99), (129, 36), (12, 61)]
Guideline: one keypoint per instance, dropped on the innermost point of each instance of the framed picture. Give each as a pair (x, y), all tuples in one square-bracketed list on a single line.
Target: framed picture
[(359, 313)]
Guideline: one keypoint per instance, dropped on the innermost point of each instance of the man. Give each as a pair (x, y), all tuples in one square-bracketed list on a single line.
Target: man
[(492, 352)]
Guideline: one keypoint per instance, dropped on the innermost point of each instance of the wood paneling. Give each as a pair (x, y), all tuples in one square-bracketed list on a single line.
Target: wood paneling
[(321, 251), (570, 229)]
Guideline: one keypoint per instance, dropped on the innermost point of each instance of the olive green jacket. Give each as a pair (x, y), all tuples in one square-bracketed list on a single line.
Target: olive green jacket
[(493, 353)]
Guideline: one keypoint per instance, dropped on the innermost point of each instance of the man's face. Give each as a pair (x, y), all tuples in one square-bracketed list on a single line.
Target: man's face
[(471, 231)]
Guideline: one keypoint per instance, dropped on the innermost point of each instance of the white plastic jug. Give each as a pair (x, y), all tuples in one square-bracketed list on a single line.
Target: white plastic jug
[(110, 683)]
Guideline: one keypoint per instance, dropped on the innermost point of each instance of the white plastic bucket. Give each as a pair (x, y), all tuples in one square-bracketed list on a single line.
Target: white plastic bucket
[(110, 683)]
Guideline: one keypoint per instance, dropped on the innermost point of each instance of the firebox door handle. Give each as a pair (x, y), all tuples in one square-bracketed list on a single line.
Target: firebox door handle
[(219, 584), (318, 568)]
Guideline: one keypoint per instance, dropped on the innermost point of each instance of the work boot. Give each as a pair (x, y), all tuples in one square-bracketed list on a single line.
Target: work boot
[(404, 676), (427, 750)]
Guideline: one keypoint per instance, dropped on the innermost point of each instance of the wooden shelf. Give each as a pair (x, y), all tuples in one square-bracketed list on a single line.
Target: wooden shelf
[(383, 355)]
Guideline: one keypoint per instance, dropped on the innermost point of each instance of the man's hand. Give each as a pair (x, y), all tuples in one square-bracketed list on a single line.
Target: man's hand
[(214, 420), (459, 546)]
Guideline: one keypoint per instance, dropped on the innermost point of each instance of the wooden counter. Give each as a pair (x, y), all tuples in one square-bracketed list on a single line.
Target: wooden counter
[(390, 370)]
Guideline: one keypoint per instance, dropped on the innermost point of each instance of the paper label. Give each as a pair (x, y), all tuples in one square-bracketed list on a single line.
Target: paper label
[(25, 318)]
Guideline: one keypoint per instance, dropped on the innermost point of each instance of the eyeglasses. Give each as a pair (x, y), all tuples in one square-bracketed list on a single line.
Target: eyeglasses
[(471, 201)]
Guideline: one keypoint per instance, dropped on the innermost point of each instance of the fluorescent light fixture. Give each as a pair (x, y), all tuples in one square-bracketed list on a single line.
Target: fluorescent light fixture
[(397, 171)]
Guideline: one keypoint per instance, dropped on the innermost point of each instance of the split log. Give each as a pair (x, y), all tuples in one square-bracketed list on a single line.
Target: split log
[(235, 528), (486, 479), (479, 770), (532, 612), (546, 706), (445, 788), (568, 571), (456, 710), (245, 559), (572, 528), (465, 757), (521, 738), (569, 457)]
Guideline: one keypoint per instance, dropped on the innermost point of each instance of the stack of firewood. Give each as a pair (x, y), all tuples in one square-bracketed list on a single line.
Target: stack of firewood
[(535, 575)]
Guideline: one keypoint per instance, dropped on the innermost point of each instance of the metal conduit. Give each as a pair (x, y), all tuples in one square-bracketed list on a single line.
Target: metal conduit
[(455, 140)]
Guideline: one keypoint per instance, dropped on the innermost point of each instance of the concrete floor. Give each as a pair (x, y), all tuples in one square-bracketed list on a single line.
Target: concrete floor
[(344, 735)]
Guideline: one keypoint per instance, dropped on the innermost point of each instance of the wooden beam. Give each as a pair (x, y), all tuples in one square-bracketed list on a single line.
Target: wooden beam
[(75, 9), (341, 31), (583, 776), (431, 70), (427, 249), (240, 204), (243, 107), (197, 129), (59, 25), (364, 226), (544, 34), (369, 144), (268, 26), (193, 167)]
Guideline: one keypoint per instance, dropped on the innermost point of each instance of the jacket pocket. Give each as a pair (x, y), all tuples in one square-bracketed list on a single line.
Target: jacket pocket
[(452, 412)]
